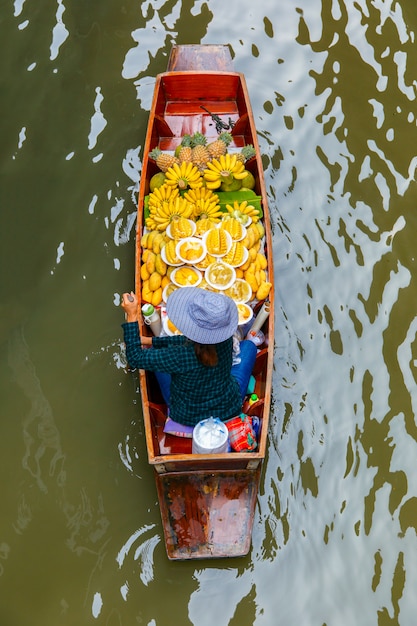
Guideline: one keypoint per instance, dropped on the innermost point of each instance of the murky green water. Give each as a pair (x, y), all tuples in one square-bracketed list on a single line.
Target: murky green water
[(333, 88)]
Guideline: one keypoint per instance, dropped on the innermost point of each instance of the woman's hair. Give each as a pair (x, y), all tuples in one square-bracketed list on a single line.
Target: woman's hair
[(206, 353)]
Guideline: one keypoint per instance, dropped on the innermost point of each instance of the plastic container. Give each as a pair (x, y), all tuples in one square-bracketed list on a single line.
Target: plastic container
[(210, 436), (262, 316), (245, 313), (152, 319), (220, 275), (248, 403), (193, 276), (191, 250), (256, 336)]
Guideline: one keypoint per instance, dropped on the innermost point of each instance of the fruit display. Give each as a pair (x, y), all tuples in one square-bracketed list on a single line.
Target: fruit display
[(234, 227), (169, 253), (220, 275), (218, 241), (200, 229), (237, 254), (181, 228), (186, 276), (191, 250), (245, 313), (240, 291)]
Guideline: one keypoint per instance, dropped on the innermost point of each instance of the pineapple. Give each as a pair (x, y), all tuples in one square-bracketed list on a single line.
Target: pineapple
[(184, 151), (200, 153), (164, 160), (246, 153), (219, 147)]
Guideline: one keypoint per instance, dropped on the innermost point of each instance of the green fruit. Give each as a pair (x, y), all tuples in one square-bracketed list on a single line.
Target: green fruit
[(233, 185), (156, 181), (248, 181)]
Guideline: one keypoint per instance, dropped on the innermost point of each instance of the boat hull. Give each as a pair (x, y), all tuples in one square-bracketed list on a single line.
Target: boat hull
[(207, 501)]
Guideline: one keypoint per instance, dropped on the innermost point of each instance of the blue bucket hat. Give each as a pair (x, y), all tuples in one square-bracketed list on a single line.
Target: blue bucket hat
[(203, 316)]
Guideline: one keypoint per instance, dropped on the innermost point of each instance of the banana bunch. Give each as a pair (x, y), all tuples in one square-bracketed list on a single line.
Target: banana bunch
[(223, 170), (242, 210), (161, 194), (216, 241), (205, 204), (161, 215), (235, 255), (158, 198), (233, 227), (184, 176)]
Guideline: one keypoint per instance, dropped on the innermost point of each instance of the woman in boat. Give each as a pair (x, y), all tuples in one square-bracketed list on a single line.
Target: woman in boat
[(195, 370)]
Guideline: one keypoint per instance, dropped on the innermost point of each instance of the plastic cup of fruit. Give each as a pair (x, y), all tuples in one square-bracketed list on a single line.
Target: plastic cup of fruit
[(238, 262), (191, 250), (220, 275), (243, 229), (169, 327), (192, 228), (245, 313), (186, 276), (240, 291), (229, 242), (168, 262), (168, 290)]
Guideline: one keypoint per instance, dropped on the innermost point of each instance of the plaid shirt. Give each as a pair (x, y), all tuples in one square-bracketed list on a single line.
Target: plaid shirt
[(197, 391)]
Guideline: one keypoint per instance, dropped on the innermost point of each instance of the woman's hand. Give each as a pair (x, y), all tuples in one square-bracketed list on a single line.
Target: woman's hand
[(130, 306)]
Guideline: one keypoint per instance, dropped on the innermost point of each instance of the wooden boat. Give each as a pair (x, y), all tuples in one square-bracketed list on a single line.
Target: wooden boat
[(207, 501)]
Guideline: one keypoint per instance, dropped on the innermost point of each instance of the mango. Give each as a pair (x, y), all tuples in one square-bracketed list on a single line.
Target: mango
[(144, 274), (157, 297), (160, 265), (263, 291), (155, 281), (150, 261)]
